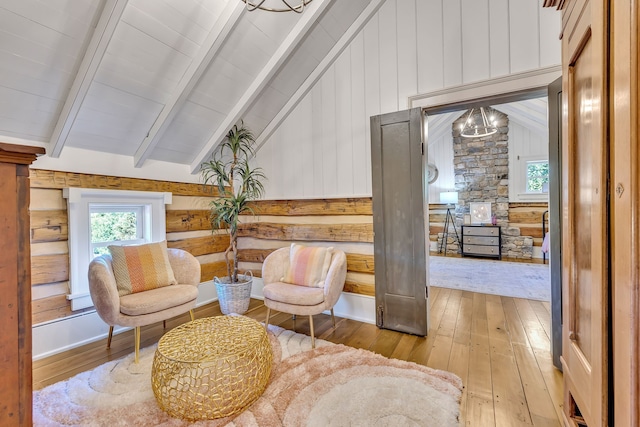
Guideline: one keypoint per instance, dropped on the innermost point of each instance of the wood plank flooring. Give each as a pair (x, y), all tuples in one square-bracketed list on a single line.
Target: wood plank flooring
[(499, 346)]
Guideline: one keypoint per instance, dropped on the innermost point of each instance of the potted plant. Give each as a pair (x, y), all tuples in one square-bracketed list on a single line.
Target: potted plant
[(238, 184)]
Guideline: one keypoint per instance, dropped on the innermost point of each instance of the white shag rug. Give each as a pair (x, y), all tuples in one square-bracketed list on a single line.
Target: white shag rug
[(333, 385), (512, 279)]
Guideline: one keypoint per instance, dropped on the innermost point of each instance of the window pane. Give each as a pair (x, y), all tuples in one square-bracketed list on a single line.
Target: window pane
[(111, 226), (537, 177)]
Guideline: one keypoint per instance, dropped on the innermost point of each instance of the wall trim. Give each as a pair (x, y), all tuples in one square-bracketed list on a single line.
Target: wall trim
[(527, 81)]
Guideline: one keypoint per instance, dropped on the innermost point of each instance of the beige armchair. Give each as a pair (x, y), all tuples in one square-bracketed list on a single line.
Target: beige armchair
[(143, 308), (302, 300)]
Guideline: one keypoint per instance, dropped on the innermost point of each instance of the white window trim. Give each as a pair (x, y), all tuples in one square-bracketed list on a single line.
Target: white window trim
[(78, 201), (518, 181)]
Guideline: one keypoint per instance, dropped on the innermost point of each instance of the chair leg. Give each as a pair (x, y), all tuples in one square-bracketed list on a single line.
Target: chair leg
[(110, 336), (136, 334), (193, 316), (266, 322), (313, 338), (333, 318), (164, 324), (293, 317)]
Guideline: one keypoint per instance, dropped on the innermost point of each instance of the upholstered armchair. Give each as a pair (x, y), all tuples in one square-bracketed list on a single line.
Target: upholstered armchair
[(143, 307), (304, 300)]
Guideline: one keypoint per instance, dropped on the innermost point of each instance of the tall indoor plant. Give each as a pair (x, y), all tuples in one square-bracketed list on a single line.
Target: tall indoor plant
[(238, 183)]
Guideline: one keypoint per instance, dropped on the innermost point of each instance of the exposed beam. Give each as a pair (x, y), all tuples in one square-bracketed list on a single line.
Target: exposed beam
[(311, 14), (211, 46), (111, 13), (319, 71)]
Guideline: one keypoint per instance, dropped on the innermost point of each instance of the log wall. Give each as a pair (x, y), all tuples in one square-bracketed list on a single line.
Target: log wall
[(345, 223), (187, 228)]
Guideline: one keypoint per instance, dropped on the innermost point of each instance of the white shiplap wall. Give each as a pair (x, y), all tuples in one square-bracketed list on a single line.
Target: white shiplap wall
[(441, 154), (409, 47), (524, 145)]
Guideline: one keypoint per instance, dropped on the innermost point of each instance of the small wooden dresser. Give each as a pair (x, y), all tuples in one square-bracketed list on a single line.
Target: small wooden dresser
[(482, 240)]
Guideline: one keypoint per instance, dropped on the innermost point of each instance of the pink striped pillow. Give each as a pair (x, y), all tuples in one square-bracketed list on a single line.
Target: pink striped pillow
[(308, 266)]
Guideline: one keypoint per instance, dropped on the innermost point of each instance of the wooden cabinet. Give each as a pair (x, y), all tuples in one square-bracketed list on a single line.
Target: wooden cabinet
[(482, 240), (585, 249), (601, 211), (15, 285)]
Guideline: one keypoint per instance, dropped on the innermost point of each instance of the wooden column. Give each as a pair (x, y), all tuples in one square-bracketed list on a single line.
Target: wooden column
[(15, 284)]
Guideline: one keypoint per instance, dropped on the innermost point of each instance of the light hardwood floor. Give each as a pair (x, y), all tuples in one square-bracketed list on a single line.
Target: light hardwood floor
[(499, 346)]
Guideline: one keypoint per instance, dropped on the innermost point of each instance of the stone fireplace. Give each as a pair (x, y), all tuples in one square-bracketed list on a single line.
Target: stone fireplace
[(481, 167)]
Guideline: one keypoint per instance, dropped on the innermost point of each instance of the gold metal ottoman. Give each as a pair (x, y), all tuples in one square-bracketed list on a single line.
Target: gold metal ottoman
[(211, 368)]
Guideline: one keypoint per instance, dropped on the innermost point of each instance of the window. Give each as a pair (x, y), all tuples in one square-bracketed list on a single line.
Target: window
[(115, 225), (99, 218), (538, 176)]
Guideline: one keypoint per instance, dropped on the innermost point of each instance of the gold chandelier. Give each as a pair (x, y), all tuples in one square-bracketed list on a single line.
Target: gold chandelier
[(470, 129), (270, 5)]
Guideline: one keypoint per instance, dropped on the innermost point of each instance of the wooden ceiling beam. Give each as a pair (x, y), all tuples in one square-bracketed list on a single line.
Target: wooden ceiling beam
[(319, 71), (207, 52), (306, 22), (97, 47)]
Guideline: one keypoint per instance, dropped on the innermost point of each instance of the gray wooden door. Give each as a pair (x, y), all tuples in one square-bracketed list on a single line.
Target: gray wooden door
[(399, 188), (555, 218)]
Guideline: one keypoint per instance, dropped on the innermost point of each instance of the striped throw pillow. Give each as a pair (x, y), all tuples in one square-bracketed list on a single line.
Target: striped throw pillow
[(140, 268), (308, 266)]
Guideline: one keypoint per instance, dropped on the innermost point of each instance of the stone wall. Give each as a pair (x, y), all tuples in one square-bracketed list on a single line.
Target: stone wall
[(481, 166)]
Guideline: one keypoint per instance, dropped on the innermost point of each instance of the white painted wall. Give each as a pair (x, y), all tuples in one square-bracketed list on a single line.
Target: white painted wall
[(440, 152), (80, 160), (409, 47), (524, 145)]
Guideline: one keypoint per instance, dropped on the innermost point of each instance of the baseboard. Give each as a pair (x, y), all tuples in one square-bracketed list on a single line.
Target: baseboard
[(74, 331)]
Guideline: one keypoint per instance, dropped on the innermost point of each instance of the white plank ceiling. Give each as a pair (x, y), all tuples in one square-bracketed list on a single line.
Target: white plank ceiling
[(165, 79), (154, 79)]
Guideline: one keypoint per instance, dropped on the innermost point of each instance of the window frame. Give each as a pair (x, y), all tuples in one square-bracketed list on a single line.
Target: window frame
[(526, 175), (518, 179), (79, 202)]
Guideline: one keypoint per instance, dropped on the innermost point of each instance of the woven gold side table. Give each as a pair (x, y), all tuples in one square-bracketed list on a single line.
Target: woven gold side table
[(211, 368)]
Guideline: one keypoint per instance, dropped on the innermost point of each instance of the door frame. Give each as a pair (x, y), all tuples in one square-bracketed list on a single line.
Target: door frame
[(523, 86)]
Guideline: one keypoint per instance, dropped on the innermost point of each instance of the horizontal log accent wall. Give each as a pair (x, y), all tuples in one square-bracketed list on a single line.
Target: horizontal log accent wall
[(50, 229), (188, 220), (49, 226), (528, 218), (525, 216), (197, 246), (356, 263), (210, 270), (349, 206), (49, 269), (308, 232), (54, 179)]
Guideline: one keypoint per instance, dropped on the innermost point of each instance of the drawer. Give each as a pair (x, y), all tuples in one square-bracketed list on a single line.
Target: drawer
[(481, 240), (481, 231), (481, 250)]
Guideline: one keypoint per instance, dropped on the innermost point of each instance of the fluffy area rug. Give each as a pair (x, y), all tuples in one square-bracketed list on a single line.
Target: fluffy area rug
[(333, 385), (512, 279)]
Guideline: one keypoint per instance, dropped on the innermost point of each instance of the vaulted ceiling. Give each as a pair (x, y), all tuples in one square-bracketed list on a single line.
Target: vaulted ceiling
[(164, 79), (155, 79), (529, 113)]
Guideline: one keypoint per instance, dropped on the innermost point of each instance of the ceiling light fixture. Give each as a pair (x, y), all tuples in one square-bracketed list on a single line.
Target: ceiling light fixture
[(271, 5), (472, 130)]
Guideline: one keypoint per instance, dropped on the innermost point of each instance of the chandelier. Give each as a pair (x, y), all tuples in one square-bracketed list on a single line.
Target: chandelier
[(272, 5), (470, 129)]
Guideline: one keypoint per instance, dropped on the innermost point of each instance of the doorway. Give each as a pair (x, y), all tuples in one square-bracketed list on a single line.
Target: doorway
[(527, 150)]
